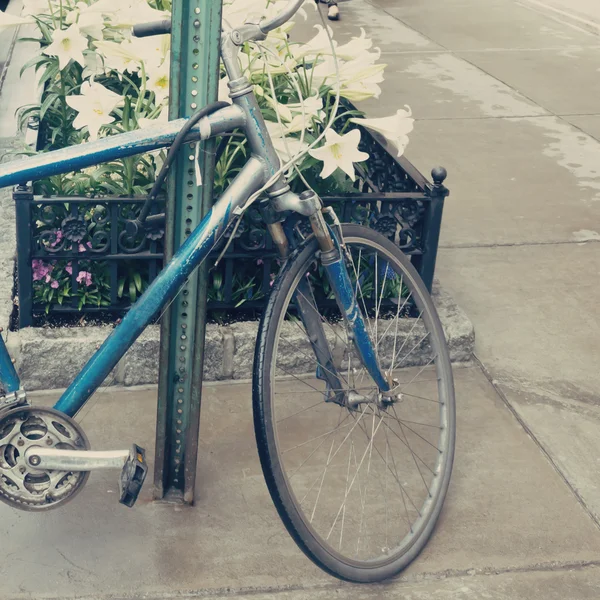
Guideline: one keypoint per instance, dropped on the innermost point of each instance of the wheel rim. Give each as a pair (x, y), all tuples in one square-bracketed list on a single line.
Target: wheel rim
[(350, 474)]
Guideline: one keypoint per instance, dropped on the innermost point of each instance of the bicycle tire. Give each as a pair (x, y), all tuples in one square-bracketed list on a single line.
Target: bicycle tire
[(295, 521)]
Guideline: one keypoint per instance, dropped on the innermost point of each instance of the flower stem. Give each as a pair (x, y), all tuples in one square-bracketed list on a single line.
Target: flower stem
[(138, 104), (63, 102)]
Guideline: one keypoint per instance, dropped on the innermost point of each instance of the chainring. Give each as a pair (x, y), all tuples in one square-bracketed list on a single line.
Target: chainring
[(27, 488)]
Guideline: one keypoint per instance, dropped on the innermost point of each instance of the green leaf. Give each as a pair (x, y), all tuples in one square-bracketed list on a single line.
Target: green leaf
[(50, 72), (138, 281), (36, 60), (47, 103), (132, 292)]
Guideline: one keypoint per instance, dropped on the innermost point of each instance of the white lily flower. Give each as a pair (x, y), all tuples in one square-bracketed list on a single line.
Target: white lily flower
[(90, 21), (37, 7), (154, 51), (159, 82), (120, 57), (132, 12), (339, 152), (162, 117), (395, 129), (94, 106), (104, 7), (67, 44), (318, 45), (223, 94), (359, 91), (312, 106), (358, 79), (280, 140), (91, 24), (94, 65), (7, 21), (285, 114), (360, 70), (355, 47)]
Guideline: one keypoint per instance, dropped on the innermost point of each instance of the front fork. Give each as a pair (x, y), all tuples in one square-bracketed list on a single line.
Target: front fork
[(332, 259)]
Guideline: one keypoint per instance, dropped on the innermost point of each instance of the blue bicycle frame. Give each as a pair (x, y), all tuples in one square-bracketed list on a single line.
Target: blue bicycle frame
[(262, 167)]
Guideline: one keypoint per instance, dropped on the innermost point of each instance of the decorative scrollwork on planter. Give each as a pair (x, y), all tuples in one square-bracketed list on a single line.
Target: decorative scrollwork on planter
[(84, 240), (74, 228)]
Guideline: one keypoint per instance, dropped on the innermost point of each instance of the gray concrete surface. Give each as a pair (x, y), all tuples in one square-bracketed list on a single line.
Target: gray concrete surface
[(501, 516), (501, 92), (505, 96)]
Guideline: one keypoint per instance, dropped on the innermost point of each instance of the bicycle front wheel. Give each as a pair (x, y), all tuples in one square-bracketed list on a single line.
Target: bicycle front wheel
[(358, 484)]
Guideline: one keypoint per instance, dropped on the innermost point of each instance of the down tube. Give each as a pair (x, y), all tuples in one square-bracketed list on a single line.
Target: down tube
[(163, 289)]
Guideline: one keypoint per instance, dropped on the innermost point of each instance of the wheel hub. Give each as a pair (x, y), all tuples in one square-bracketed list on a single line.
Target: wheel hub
[(21, 484)]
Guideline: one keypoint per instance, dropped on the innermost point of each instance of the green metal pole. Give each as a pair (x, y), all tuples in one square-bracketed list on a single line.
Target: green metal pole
[(195, 39)]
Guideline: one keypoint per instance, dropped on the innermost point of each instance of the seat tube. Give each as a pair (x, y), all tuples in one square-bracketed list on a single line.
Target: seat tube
[(9, 378)]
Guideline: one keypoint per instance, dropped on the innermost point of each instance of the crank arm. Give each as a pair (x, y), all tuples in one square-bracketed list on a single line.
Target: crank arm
[(52, 459)]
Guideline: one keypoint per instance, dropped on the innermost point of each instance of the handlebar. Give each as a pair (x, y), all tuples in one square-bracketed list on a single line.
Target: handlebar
[(164, 26), (285, 15)]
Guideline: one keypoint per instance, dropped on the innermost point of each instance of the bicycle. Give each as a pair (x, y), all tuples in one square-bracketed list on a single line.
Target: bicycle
[(344, 433)]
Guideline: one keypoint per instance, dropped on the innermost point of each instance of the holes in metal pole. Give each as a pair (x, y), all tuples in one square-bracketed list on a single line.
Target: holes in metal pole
[(197, 10), (193, 106)]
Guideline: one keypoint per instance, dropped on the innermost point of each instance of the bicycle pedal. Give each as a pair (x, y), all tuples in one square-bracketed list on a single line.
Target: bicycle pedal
[(133, 476)]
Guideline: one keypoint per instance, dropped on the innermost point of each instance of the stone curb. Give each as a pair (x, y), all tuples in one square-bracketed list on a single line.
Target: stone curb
[(49, 358)]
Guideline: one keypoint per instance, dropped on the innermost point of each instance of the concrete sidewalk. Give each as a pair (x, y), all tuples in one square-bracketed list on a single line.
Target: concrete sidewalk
[(510, 526), (506, 97)]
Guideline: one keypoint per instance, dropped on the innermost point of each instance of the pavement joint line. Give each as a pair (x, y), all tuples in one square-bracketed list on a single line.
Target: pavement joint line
[(500, 117), (539, 444), (6, 65), (556, 18), (594, 26), (458, 52), (334, 586), (516, 244)]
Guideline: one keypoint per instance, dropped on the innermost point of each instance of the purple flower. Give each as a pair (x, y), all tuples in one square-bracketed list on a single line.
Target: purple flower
[(69, 269), (260, 261), (82, 248), (40, 269), (57, 239), (48, 278), (54, 284), (84, 277)]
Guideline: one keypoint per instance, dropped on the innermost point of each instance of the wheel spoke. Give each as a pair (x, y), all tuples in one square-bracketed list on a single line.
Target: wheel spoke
[(365, 488)]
